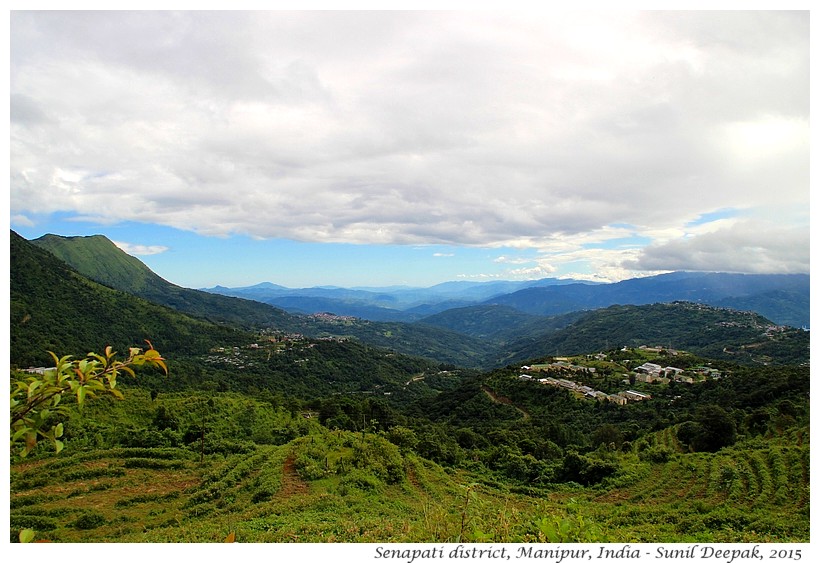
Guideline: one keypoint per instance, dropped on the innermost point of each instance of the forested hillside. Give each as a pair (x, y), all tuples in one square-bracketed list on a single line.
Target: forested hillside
[(653, 423), (90, 255), (55, 308), (712, 332), (97, 258)]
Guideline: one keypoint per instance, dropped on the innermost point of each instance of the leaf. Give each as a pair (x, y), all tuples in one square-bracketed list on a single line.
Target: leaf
[(31, 442), (97, 357), (80, 395), (27, 535), (58, 430), (152, 355), (231, 538), (33, 387)]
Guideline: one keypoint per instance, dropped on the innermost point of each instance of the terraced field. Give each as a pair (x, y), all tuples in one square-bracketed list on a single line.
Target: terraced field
[(348, 487)]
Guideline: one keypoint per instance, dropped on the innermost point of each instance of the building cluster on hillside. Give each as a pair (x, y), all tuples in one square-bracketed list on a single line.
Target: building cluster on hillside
[(588, 392), (648, 372), (654, 373), (332, 318), (228, 356), (656, 349), (560, 364)]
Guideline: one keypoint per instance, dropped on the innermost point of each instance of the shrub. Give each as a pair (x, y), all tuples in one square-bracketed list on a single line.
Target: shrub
[(360, 480), (585, 470), (380, 457), (85, 474), (656, 454), (28, 500), (39, 523), (89, 521), (403, 437), (145, 463)]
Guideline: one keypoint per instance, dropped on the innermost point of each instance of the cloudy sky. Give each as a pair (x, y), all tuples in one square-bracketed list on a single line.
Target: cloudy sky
[(380, 148)]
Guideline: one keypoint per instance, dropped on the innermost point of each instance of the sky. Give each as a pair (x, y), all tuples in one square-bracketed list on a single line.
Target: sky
[(370, 148)]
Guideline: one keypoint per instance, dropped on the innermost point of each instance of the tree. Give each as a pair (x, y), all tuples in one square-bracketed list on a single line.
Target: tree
[(711, 430), (719, 429), (37, 398), (607, 434)]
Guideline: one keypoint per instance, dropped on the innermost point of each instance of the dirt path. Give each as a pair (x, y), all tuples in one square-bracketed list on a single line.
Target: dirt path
[(504, 401), (414, 480), (292, 484)]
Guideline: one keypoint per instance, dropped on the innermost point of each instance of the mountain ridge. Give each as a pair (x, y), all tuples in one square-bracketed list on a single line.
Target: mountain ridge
[(480, 335), (430, 342), (783, 298)]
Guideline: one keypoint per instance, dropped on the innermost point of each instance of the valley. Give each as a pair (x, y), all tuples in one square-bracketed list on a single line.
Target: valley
[(544, 412)]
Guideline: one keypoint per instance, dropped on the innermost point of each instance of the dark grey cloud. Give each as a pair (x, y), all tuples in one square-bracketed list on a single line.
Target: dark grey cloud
[(475, 128)]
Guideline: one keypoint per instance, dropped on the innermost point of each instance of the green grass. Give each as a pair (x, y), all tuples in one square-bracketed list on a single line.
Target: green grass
[(334, 486)]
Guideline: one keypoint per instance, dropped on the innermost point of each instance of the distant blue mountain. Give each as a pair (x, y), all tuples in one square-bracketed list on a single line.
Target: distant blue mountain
[(399, 303), (784, 299)]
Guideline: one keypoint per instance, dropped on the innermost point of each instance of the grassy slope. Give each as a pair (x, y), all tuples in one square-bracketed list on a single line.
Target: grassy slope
[(52, 307), (99, 259), (326, 486)]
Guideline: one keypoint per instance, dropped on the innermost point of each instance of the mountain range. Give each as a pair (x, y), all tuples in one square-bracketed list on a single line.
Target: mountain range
[(305, 423), (400, 303), (468, 324), (784, 299)]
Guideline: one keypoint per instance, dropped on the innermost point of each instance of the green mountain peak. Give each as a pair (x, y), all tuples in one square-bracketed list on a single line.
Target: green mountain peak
[(100, 259)]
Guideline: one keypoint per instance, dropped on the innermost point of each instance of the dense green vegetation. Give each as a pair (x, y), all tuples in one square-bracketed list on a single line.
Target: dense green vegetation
[(53, 308), (739, 336), (198, 466), (494, 322), (98, 259), (272, 435)]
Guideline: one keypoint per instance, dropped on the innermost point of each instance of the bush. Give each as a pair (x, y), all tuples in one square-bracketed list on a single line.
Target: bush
[(28, 500), (360, 480), (87, 474), (39, 523), (656, 454), (380, 457), (403, 437), (89, 521), (585, 470), (146, 463)]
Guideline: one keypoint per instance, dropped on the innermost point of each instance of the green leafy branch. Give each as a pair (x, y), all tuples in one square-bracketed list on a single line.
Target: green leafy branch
[(37, 399)]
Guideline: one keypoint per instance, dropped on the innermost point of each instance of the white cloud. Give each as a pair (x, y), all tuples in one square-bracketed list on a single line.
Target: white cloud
[(749, 246), (22, 221), (510, 260), (140, 249), (542, 130), (534, 273)]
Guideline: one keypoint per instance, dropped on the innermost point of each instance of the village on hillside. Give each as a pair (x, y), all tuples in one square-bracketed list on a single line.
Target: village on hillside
[(561, 371)]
